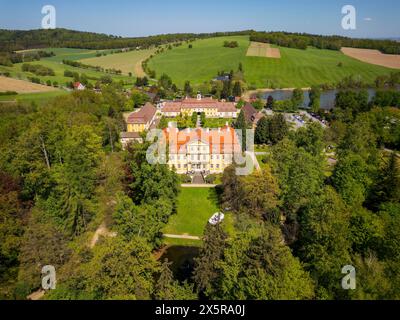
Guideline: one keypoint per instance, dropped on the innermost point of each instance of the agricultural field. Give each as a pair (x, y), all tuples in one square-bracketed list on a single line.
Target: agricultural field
[(59, 68), (295, 68), (70, 53), (374, 57), (259, 49), (21, 86), (40, 97), (126, 62)]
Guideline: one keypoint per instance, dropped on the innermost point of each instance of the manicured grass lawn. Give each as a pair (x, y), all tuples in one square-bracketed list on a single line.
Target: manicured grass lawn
[(195, 207), (296, 68), (126, 62), (182, 242)]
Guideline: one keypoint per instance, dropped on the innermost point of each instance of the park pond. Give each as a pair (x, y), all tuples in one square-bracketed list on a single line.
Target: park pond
[(182, 258), (327, 97)]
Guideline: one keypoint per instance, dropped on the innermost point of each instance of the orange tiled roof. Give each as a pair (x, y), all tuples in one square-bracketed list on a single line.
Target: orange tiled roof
[(220, 141)]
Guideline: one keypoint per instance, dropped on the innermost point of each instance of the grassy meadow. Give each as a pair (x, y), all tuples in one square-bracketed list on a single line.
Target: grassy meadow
[(126, 62), (202, 62), (296, 68), (56, 64)]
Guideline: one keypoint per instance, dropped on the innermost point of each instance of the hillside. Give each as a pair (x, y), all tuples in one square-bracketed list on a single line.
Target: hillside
[(295, 68), (127, 62)]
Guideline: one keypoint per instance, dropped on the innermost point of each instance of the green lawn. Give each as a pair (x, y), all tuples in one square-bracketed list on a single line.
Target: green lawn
[(216, 123), (195, 207), (37, 97), (296, 68), (202, 62), (72, 54)]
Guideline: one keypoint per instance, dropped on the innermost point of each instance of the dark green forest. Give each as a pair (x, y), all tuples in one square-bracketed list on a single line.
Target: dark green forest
[(13, 40), (303, 40), (296, 223)]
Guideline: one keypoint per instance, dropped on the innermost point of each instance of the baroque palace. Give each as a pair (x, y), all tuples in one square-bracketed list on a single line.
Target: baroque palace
[(201, 150), (190, 150)]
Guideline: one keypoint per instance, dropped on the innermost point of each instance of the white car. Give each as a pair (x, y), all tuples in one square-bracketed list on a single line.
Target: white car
[(216, 218)]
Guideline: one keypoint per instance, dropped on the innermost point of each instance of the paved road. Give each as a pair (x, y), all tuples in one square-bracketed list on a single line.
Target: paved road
[(254, 159), (184, 236), (202, 185)]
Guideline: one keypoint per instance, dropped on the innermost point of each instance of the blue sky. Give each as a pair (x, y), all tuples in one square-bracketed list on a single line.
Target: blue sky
[(139, 18)]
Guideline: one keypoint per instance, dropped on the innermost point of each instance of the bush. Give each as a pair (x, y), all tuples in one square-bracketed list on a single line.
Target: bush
[(186, 178), (8, 93), (232, 44), (38, 69), (34, 80), (210, 179)]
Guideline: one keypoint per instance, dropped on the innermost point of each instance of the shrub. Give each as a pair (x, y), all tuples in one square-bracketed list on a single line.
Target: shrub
[(186, 178), (210, 179)]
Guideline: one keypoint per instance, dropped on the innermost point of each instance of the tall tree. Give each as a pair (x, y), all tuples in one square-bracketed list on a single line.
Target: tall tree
[(121, 270), (278, 128), (257, 265), (205, 272), (188, 89), (387, 185), (241, 124), (270, 102), (237, 89), (315, 98), (167, 288), (259, 195), (324, 241), (297, 98), (262, 133)]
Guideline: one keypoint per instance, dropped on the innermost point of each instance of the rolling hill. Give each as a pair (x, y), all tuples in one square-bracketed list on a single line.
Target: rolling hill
[(296, 68)]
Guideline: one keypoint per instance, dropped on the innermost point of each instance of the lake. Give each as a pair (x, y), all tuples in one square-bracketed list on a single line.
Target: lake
[(327, 97)]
